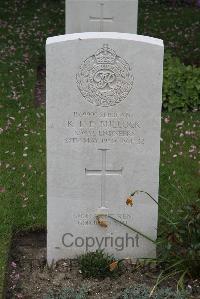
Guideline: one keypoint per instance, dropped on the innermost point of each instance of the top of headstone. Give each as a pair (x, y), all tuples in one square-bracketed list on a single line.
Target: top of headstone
[(111, 35), (101, 16)]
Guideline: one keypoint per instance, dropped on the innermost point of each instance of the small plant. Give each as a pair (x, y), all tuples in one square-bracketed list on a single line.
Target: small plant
[(139, 291), (142, 291), (98, 264), (169, 294), (67, 293), (179, 242), (181, 87)]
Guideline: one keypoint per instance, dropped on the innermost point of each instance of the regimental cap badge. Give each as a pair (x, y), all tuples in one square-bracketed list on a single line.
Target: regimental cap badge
[(105, 55), (105, 79)]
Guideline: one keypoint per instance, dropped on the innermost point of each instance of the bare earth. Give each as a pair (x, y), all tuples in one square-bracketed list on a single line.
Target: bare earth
[(29, 277)]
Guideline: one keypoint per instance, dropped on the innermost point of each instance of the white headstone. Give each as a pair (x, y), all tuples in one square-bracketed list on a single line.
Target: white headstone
[(101, 16), (104, 94)]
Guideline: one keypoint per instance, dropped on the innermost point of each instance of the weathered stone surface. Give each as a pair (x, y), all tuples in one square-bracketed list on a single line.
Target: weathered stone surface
[(104, 94), (101, 16)]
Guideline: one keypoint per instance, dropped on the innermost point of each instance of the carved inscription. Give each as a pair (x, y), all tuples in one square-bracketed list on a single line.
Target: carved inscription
[(105, 79), (85, 219), (104, 128), (101, 20), (103, 173)]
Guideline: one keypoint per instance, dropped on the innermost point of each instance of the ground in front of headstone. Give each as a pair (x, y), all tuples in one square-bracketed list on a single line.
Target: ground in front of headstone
[(29, 277)]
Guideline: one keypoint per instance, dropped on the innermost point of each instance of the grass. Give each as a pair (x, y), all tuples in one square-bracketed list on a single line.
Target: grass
[(179, 167), (177, 26), (25, 25)]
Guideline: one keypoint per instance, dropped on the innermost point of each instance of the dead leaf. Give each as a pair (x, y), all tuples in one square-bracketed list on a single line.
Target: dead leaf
[(102, 222), (113, 266), (129, 201), (2, 189)]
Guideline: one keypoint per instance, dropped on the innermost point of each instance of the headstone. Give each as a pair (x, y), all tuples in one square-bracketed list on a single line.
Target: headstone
[(104, 94), (101, 16)]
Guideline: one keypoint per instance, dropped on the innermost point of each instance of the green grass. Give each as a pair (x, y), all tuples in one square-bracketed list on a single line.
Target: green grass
[(25, 25), (179, 167), (177, 26)]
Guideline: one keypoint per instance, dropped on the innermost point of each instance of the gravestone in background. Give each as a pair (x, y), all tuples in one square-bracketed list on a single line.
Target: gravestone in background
[(104, 94), (101, 16)]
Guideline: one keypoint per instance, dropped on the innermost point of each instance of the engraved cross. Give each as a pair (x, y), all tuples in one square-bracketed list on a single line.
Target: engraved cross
[(103, 172), (101, 19)]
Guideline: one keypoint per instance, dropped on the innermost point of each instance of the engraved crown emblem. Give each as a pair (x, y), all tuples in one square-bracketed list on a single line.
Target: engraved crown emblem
[(105, 55), (105, 79)]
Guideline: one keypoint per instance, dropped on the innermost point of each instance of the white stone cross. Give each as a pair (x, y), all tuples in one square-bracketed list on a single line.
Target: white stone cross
[(103, 173), (101, 19)]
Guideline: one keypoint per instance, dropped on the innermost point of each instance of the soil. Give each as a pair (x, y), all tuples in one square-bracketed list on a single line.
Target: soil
[(29, 277)]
